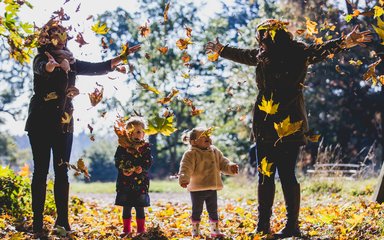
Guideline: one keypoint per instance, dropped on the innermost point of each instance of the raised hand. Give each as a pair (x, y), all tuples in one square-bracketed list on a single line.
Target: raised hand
[(214, 46), (51, 64), (357, 38)]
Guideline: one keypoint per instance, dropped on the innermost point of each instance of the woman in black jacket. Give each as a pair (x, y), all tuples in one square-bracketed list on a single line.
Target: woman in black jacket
[(281, 67), (50, 122)]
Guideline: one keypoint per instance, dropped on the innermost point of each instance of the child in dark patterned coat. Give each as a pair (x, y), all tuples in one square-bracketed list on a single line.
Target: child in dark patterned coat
[(133, 160)]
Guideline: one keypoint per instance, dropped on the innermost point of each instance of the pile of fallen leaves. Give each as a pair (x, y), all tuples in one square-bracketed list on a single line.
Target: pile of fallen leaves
[(324, 216)]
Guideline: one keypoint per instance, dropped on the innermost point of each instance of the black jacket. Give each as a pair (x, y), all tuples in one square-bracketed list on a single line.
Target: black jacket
[(49, 102), (285, 80)]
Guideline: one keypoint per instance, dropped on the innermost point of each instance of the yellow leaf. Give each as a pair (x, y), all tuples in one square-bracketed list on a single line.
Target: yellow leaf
[(207, 133), (371, 72), (149, 88), (265, 167), (286, 128), (160, 125), (378, 11), (311, 26), (379, 29), (183, 43), (268, 106), (145, 30), (355, 63), (66, 119), (168, 98), (163, 50), (100, 29), (213, 56), (166, 12), (185, 75)]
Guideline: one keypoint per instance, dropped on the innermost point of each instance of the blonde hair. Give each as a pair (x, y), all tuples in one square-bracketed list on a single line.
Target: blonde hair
[(191, 135), (135, 121)]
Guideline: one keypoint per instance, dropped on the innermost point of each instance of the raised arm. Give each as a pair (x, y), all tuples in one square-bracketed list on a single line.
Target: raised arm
[(318, 52), (244, 56)]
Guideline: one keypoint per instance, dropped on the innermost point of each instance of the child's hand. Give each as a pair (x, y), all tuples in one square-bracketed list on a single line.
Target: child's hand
[(235, 169), (184, 185), (127, 173), (138, 170)]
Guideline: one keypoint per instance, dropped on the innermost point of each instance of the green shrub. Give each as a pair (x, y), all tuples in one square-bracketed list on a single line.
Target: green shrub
[(324, 187), (15, 193)]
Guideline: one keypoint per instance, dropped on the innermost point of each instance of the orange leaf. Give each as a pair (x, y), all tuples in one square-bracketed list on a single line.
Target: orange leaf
[(183, 43), (144, 30)]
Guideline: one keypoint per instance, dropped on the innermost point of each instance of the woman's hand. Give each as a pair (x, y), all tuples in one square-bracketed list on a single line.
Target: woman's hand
[(65, 65), (138, 170), (357, 38), (51, 64), (122, 57), (214, 46)]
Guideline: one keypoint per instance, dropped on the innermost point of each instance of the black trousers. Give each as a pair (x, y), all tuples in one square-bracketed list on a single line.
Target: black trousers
[(210, 198), (42, 143), (284, 157), (127, 212)]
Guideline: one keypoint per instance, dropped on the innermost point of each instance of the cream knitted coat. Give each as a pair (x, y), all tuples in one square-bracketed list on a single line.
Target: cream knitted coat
[(201, 169)]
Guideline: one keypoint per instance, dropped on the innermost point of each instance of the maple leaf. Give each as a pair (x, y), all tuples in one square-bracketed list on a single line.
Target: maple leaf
[(100, 28), (213, 56), (286, 128), (96, 96), (311, 27), (378, 11), (195, 111), (185, 75), (160, 125), (370, 74), (185, 57), (188, 31), (166, 12), (183, 43), (149, 88), (66, 119), (168, 98), (144, 30), (381, 79), (80, 39), (83, 168), (311, 136), (265, 167), (379, 29), (355, 63), (207, 133), (188, 102), (163, 50), (268, 107)]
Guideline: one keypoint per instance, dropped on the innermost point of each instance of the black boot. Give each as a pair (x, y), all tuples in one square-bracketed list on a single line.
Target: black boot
[(61, 192), (266, 195), (292, 203), (38, 200)]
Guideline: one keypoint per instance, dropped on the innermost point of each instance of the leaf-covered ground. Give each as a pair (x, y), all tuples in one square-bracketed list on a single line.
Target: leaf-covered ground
[(324, 215)]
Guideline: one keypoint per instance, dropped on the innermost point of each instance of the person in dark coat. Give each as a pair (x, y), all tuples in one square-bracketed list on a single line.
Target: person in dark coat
[(281, 67), (50, 122), (133, 160)]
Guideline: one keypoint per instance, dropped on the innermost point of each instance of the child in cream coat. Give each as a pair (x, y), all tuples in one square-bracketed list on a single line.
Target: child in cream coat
[(200, 172)]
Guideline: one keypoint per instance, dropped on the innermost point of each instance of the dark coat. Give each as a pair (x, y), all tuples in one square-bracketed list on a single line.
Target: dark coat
[(45, 113), (133, 190), (284, 78)]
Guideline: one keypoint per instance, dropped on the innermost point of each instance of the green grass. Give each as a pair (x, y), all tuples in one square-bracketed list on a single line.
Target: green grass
[(242, 187)]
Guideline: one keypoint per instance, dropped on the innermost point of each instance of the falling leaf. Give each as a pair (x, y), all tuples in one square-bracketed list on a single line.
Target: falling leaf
[(188, 31), (163, 50), (378, 11), (229, 91), (300, 31), (144, 30), (82, 168), (168, 98), (355, 63), (166, 12), (104, 44), (80, 40), (213, 56), (51, 96), (379, 29), (66, 119), (100, 29), (188, 102), (160, 125), (183, 43), (268, 106), (286, 128), (311, 27), (195, 111), (78, 8), (96, 96), (185, 75), (338, 69), (265, 167), (185, 57), (147, 56), (381, 79), (311, 136), (207, 133), (371, 73), (90, 128), (149, 88)]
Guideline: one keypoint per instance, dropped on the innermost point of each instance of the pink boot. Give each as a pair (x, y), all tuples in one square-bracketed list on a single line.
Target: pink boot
[(126, 227), (215, 232), (140, 225)]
